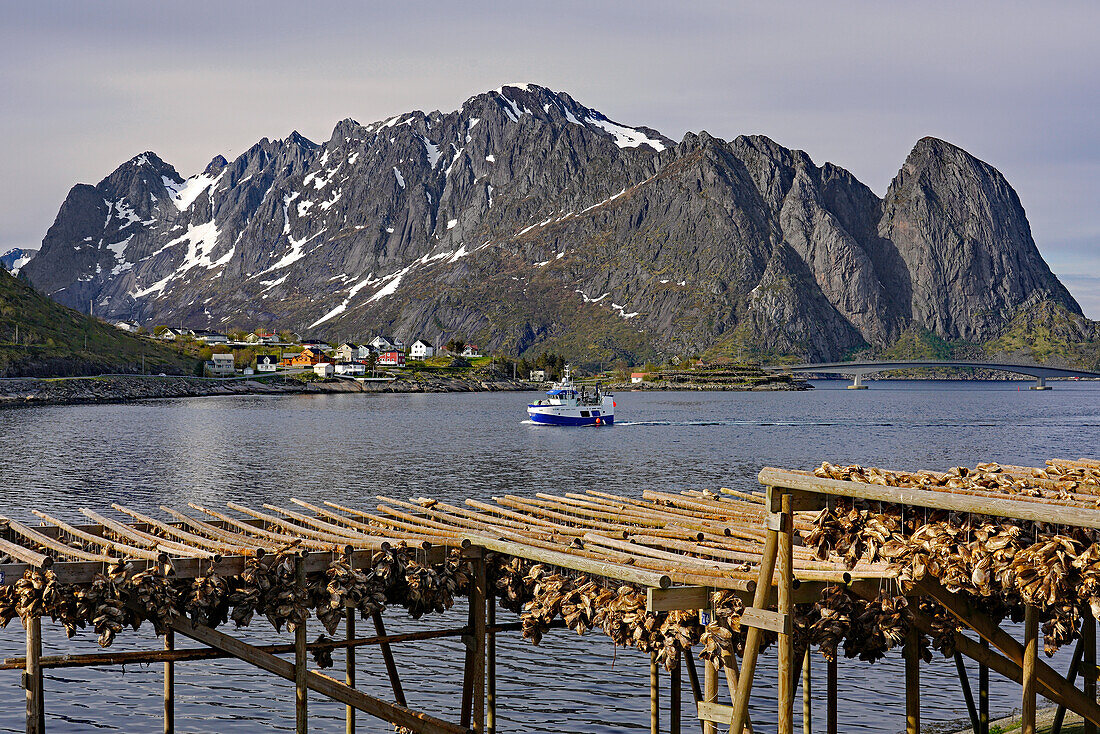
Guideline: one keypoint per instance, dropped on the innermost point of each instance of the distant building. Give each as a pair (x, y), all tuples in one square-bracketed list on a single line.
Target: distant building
[(262, 337), (421, 349), (129, 326), (209, 337), (324, 369), (267, 362), (636, 377), (220, 365), (538, 375), (170, 335), (347, 352), (472, 351), (382, 344), (391, 359), (317, 344), (351, 369), (306, 358)]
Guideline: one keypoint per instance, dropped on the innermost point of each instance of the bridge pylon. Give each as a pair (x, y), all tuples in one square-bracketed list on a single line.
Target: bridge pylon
[(1040, 384), (857, 383)]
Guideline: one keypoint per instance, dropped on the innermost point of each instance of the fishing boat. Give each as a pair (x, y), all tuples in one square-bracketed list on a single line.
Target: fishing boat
[(566, 404)]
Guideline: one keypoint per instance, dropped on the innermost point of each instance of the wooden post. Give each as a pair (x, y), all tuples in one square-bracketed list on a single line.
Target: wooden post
[(710, 692), (349, 669), (675, 688), (752, 640), (983, 693), (32, 677), (654, 695), (300, 690), (830, 696), (786, 641), (1071, 678), (912, 681), (1088, 642), (169, 685), (968, 695), (1031, 655), (387, 657), (807, 697), (491, 665), (478, 592)]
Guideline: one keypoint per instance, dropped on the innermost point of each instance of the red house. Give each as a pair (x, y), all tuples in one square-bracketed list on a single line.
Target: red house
[(391, 359)]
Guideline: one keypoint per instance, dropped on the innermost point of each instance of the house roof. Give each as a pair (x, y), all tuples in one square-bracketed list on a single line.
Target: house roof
[(421, 341)]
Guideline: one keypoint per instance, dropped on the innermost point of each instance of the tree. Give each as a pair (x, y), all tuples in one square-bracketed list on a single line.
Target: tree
[(142, 331), (237, 335)]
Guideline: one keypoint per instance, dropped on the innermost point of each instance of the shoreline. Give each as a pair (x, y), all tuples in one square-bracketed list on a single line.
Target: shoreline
[(129, 388)]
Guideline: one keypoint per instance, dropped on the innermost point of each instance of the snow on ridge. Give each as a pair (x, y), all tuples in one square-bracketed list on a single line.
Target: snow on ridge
[(431, 150), (399, 177), (183, 195), (625, 137), (452, 223), (601, 203)]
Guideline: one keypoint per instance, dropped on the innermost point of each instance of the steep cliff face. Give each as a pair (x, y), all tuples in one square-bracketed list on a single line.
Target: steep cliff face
[(525, 219)]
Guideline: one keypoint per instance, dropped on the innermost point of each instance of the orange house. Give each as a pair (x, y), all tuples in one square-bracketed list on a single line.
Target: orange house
[(307, 358)]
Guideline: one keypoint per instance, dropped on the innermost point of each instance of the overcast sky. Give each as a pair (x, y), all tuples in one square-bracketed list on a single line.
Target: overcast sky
[(84, 86)]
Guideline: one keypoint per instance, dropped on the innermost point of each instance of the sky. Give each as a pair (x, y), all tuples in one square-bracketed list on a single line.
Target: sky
[(86, 86)]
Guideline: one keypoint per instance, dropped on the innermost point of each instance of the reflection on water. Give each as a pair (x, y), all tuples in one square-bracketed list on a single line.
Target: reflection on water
[(350, 448)]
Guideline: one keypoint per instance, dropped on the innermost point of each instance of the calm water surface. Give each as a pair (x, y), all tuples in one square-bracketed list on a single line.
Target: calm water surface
[(351, 448)]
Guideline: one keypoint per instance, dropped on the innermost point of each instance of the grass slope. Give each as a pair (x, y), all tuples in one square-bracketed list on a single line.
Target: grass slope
[(57, 341)]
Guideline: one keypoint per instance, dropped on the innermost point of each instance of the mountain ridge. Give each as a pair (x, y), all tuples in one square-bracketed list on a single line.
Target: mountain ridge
[(526, 219)]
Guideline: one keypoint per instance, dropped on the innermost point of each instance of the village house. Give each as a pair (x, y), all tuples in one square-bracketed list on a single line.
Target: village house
[(347, 352), (170, 334), (382, 344), (538, 375), (351, 369), (323, 369), (306, 358), (472, 351), (267, 362), (220, 365), (391, 359), (317, 345), (262, 337), (421, 349), (636, 377)]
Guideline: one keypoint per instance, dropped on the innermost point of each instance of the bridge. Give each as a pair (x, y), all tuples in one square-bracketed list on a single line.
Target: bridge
[(859, 370)]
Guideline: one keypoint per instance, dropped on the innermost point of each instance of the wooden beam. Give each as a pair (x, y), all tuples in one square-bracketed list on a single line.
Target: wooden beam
[(786, 639), (1054, 686), (983, 692), (1031, 656), (830, 696), (1071, 676), (479, 592), (387, 657), (765, 619), (968, 694), (677, 598), (714, 713), (323, 684), (301, 696), (807, 697), (491, 664), (169, 685), (1021, 509), (912, 681), (32, 677), (349, 667), (752, 641)]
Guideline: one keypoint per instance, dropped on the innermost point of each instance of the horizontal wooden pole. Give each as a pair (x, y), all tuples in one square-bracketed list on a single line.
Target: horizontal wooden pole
[(1020, 509)]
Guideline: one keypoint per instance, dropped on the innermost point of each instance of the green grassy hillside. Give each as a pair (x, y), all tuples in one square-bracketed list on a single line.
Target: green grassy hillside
[(40, 338)]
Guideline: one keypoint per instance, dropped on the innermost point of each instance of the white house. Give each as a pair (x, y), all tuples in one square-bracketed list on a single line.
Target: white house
[(262, 337), (267, 362), (351, 368), (210, 337), (382, 344), (636, 377), (421, 349), (538, 375), (220, 365), (170, 335), (324, 369), (472, 351), (126, 326), (347, 352)]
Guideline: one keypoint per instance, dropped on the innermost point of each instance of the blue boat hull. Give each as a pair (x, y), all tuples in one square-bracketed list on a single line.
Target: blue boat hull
[(568, 420)]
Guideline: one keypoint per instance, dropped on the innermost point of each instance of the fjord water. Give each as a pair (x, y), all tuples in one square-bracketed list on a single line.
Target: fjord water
[(350, 448)]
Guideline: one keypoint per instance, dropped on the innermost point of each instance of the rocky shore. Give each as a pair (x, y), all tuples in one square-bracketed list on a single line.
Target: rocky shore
[(126, 388)]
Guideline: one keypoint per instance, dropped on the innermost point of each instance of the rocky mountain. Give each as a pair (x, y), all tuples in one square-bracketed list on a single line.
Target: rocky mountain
[(525, 220), (16, 258)]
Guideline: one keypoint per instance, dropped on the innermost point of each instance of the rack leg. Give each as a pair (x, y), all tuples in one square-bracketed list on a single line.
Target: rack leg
[(301, 715), (710, 692), (674, 690), (807, 695), (830, 696), (349, 669), (387, 657), (1088, 642), (169, 685), (786, 641), (912, 682), (1031, 655), (491, 666), (654, 695), (478, 593), (983, 693), (36, 723)]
